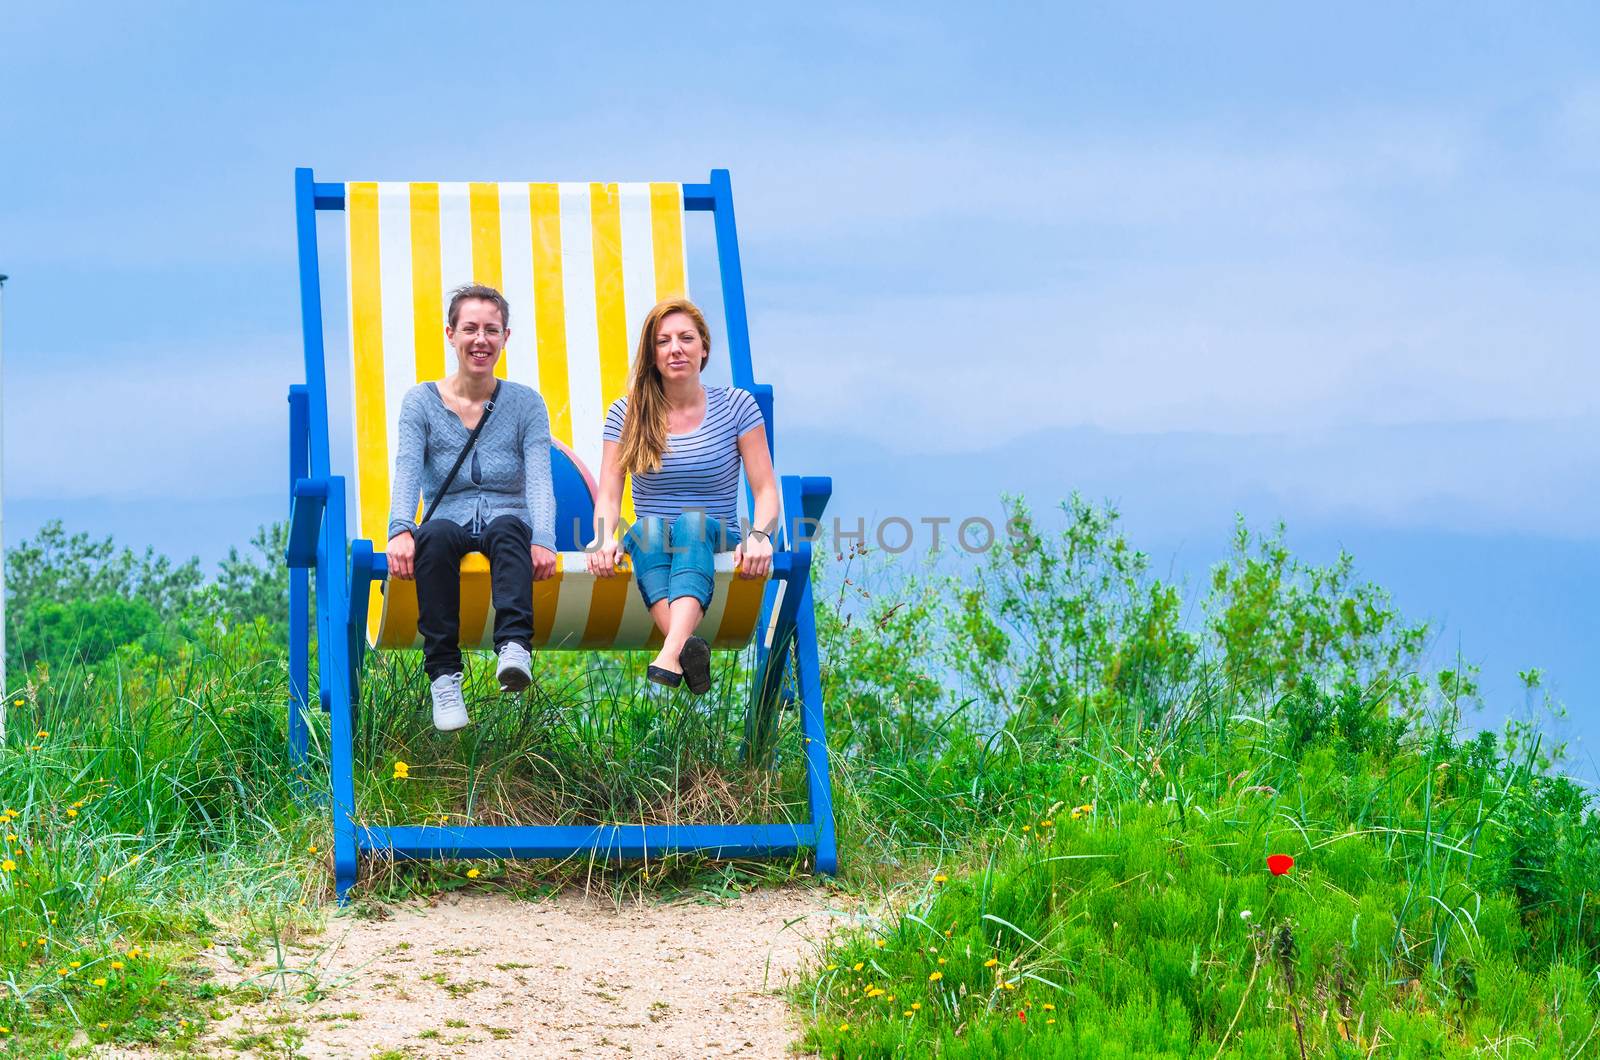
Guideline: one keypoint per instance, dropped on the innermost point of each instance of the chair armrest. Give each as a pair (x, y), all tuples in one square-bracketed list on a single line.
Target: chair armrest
[(308, 503)]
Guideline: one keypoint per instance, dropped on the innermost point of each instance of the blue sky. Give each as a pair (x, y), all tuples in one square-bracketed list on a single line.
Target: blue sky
[(1334, 267)]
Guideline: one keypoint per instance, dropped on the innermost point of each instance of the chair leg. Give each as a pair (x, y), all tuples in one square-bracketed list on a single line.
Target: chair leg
[(333, 645), (816, 735), (299, 667)]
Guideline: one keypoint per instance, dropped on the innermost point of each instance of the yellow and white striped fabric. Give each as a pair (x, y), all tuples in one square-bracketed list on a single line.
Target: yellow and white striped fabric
[(581, 265)]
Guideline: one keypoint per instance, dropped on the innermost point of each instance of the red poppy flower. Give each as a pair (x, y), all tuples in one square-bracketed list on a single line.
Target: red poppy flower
[(1279, 863), (1021, 1015)]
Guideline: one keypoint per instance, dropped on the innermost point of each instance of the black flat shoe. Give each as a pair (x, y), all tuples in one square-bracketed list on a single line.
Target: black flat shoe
[(663, 676), (695, 658)]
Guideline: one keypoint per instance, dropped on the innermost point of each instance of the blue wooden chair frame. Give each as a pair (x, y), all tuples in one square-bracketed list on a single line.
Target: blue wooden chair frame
[(318, 545)]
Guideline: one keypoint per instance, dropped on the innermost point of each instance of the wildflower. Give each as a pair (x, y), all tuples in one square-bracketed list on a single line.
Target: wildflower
[(135, 859), (1008, 986), (1076, 813), (1048, 1007), (908, 1013), (990, 963), (916, 1006), (100, 981), (44, 734), (1245, 914), (135, 952), (312, 848), (940, 878), (1027, 827), (472, 874), (40, 941), (11, 837), (63, 972), (844, 1027), (401, 770), (943, 961), (935, 977), (8, 865), (856, 967), (72, 813), (76, 964), (1278, 864), (102, 1026), (78, 805), (881, 944), (1047, 823), (1048, 1022), (831, 968), (1021, 1015), (5, 1029), (116, 966)]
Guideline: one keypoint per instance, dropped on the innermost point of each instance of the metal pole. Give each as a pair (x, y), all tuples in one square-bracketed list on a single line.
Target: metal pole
[(5, 689)]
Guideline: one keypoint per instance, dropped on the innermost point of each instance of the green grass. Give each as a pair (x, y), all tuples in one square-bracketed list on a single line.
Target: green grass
[(1037, 762)]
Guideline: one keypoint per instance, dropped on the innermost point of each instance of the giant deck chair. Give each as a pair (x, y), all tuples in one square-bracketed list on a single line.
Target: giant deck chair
[(581, 264)]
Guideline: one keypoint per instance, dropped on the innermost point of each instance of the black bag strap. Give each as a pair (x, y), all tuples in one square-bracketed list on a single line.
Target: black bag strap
[(488, 407)]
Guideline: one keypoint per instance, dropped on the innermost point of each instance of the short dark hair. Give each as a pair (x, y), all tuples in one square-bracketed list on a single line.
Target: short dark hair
[(483, 291)]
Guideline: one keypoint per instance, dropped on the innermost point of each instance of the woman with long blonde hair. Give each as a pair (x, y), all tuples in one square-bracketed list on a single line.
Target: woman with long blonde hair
[(683, 445)]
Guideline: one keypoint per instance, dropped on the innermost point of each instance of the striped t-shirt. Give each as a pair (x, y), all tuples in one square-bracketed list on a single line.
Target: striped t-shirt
[(699, 470)]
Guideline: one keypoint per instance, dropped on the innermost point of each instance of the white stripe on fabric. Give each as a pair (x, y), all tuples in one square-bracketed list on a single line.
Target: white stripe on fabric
[(394, 270), (516, 267), (583, 333), (455, 247), (572, 605), (638, 259)]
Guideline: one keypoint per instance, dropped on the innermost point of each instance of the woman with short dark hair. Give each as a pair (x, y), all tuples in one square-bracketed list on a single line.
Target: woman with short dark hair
[(500, 501)]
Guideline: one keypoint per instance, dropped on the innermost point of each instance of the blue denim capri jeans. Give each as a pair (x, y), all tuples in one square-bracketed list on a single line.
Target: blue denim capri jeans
[(669, 562)]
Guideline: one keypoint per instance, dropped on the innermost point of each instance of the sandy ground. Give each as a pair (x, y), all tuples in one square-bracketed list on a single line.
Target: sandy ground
[(481, 974)]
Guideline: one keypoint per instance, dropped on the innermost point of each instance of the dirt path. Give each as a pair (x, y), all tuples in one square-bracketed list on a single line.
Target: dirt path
[(486, 975)]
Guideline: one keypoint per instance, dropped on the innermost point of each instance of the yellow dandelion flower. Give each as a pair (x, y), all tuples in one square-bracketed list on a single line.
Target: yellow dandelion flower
[(135, 952), (100, 981), (916, 1006), (831, 968), (1076, 813), (1047, 823), (312, 848), (935, 977), (40, 941), (990, 963), (78, 805), (1027, 828), (1048, 1007), (43, 734), (5, 1029), (472, 874), (940, 878), (76, 964), (908, 1013), (72, 813), (11, 837), (844, 1027), (116, 966), (879, 943), (856, 967), (102, 1026), (1048, 1022), (63, 972), (889, 998), (1008, 986), (949, 931), (8, 865), (943, 961)]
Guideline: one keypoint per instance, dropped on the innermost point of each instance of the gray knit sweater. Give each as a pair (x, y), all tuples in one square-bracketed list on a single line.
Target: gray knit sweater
[(507, 473)]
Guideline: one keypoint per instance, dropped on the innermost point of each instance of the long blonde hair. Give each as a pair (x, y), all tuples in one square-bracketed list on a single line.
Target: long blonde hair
[(644, 431)]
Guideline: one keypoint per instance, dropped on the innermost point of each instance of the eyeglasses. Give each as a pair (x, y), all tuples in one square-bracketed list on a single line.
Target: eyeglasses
[(491, 331)]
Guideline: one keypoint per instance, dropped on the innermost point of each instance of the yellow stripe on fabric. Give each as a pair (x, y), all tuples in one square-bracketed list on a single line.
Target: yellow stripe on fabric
[(546, 595), (550, 310), (399, 611), (742, 612), (666, 230), (484, 202), (606, 601), (366, 344), (610, 306), (427, 299)]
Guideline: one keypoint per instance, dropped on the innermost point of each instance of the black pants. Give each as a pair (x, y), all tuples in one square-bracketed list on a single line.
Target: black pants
[(440, 546)]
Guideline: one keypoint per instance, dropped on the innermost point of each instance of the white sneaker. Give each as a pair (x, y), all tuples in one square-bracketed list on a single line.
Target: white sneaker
[(516, 667), (449, 707)]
